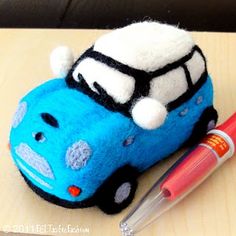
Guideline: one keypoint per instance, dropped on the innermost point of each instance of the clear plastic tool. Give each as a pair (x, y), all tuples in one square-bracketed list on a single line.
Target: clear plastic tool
[(184, 176)]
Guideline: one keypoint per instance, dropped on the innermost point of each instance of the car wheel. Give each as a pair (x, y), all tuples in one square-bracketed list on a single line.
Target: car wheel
[(207, 121), (117, 192)]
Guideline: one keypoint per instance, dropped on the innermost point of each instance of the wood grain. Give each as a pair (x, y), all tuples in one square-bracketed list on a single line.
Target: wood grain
[(210, 210)]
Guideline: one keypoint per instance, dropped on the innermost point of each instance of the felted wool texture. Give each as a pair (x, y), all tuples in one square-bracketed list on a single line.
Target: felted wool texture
[(122, 192), (149, 113), (189, 93), (102, 64), (146, 59), (196, 66), (169, 86), (77, 155), (108, 194), (118, 85), (171, 76), (206, 122), (61, 60), (56, 200), (19, 114), (33, 176), (80, 118), (145, 45), (34, 160), (49, 119)]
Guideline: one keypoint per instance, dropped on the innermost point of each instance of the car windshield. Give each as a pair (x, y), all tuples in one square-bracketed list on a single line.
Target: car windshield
[(99, 76)]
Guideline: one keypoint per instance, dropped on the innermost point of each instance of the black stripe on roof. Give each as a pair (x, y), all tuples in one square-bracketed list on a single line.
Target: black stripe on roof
[(136, 73), (140, 77)]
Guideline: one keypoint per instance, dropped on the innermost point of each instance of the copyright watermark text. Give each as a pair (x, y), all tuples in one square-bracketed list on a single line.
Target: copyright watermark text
[(46, 228)]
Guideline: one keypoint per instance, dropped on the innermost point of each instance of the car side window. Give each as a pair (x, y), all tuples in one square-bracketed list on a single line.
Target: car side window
[(116, 84), (170, 86), (196, 66)]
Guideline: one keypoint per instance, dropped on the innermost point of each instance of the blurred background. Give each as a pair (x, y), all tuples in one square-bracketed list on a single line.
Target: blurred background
[(200, 15)]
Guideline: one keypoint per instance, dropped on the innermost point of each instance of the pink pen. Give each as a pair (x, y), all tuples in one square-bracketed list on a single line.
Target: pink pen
[(184, 176)]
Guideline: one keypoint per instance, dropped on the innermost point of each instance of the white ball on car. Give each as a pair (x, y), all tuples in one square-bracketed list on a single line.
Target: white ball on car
[(61, 60), (149, 113)]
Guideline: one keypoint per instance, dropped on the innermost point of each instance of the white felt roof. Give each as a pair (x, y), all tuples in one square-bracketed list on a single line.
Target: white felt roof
[(147, 45)]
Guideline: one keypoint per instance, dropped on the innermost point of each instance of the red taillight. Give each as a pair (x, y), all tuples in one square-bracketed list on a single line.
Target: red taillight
[(74, 191)]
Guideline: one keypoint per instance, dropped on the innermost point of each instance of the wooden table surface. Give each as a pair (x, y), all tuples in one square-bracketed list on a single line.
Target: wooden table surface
[(24, 63)]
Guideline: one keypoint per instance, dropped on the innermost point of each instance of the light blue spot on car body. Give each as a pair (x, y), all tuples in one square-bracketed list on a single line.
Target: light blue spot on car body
[(77, 155), (19, 114), (34, 160)]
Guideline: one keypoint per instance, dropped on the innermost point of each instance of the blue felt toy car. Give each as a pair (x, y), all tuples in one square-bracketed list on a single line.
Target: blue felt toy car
[(83, 140)]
